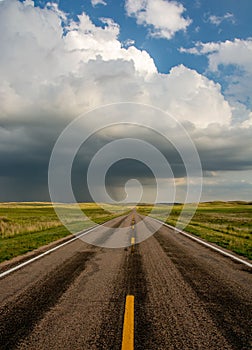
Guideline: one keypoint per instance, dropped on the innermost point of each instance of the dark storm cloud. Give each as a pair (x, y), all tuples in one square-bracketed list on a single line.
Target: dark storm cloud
[(24, 163)]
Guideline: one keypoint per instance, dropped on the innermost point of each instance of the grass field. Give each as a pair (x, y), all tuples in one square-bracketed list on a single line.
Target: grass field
[(228, 224), (27, 226)]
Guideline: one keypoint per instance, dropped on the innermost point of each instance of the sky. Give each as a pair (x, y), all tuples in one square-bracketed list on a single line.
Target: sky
[(191, 59)]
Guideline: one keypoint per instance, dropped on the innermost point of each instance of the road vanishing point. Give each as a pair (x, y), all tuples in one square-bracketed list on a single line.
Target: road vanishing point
[(168, 292)]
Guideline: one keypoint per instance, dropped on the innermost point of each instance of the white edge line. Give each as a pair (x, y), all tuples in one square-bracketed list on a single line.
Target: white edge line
[(206, 244), (27, 262)]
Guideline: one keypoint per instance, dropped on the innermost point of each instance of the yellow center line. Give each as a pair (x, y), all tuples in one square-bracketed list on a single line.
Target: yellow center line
[(132, 240), (128, 324), (133, 223)]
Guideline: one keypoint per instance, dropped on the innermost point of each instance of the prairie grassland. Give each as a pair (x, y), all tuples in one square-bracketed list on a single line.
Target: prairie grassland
[(27, 226), (228, 224)]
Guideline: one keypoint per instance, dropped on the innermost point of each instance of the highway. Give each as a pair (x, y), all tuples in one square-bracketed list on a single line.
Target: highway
[(168, 292)]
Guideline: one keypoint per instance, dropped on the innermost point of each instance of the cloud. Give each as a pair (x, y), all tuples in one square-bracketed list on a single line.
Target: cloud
[(237, 52), (232, 60), (164, 18), (88, 67), (98, 2), (190, 96), (128, 42), (46, 83), (217, 20), (248, 122)]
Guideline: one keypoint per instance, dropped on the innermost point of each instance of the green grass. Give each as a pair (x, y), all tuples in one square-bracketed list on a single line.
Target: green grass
[(228, 224), (28, 226)]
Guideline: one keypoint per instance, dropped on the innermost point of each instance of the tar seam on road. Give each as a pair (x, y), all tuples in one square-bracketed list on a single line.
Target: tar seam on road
[(5, 273), (128, 324), (206, 244)]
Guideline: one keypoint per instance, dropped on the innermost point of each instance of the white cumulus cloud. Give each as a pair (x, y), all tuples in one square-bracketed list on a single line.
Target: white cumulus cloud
[(98, 2), (217, 20), (163, 17), (193, 97), (237, 52), (87, 67), (236, 56)]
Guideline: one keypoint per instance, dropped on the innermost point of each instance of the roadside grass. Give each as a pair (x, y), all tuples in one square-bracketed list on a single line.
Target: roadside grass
[(28, 226), (227, 224)]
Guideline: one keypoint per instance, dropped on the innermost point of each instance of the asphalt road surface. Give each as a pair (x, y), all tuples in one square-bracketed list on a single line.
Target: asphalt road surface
[(186, 296)]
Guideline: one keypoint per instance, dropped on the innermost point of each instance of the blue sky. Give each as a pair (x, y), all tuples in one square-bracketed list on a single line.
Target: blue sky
[(191, 59)]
